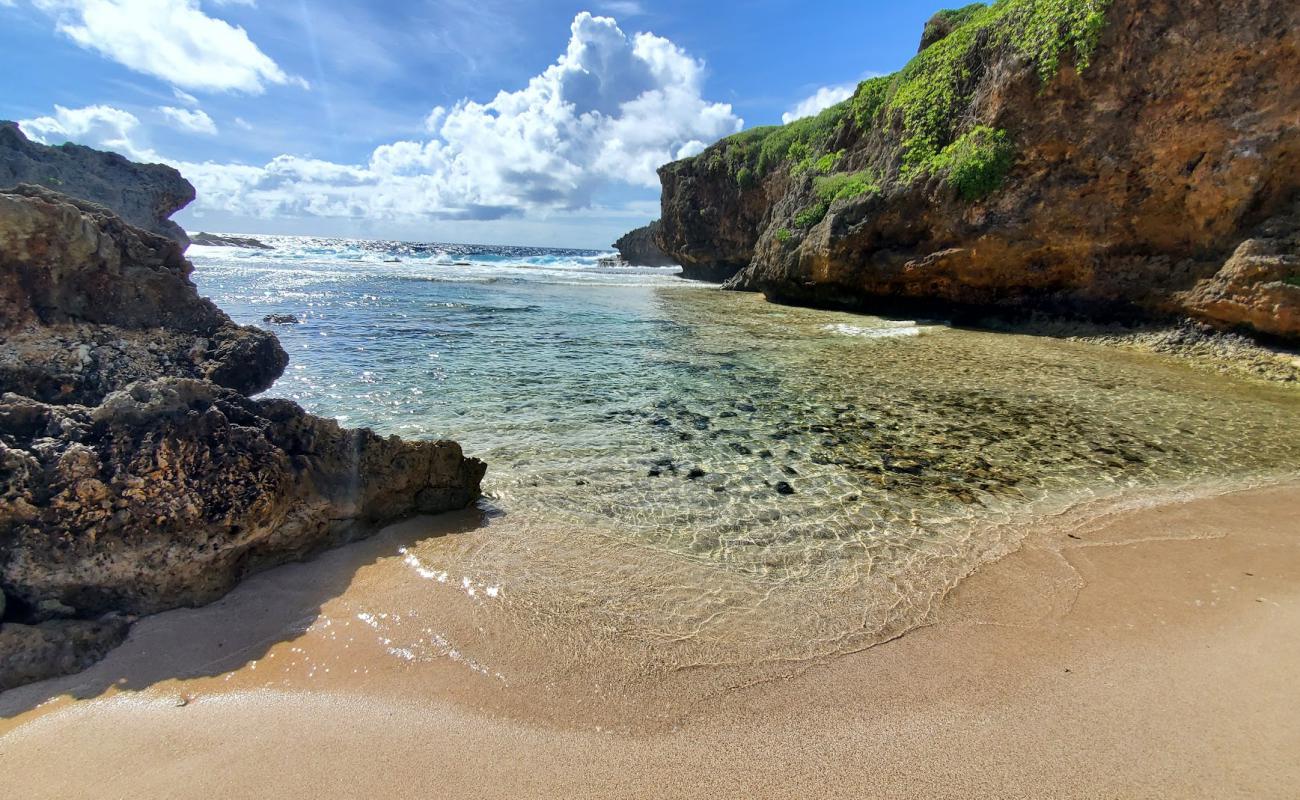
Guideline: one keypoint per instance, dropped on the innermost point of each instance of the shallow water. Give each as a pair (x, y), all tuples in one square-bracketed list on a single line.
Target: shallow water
[(685, 476)]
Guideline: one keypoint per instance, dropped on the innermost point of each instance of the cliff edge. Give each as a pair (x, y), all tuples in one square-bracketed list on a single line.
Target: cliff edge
[(1110, 159), (144, 195)]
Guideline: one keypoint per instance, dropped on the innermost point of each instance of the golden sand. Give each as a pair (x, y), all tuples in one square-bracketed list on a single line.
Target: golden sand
[(1151, 653)]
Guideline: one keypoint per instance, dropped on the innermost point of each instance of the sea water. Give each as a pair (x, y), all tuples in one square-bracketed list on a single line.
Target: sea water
[(699, 476)]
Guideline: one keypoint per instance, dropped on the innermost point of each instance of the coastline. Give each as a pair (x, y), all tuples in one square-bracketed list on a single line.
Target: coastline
[(1149, 656)]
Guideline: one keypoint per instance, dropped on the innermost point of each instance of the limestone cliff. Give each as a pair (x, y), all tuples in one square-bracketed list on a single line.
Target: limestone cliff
[(1103, 158), (144, 195), (640, 248), (136, 474)]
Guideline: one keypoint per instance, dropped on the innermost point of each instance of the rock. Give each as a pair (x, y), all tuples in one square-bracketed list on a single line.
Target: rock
[(136, 474), (281, 319), (73, 274), (144, 195), (695, 474), (640, 248), (1258, 287), (784, 487), (217, 240), (35, 652), (1116, 190)]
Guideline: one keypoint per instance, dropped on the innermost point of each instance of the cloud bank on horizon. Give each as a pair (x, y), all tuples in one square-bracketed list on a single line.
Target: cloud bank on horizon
[(611, 109)]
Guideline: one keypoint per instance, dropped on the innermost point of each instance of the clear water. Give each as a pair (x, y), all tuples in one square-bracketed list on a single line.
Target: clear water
[(719, 478)]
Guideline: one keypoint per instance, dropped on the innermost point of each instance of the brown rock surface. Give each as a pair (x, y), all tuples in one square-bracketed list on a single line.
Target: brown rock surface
[(136, 475), (1133, 182)]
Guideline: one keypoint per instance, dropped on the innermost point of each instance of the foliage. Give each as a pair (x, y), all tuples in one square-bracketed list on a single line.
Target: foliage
[(846, 186), (1294, 280), (783, 235), (812, 215), (976, 163), (868, 99), (952, 18)]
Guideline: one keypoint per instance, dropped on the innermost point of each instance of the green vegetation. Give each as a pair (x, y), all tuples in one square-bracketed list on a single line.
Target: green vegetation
[(976, 163), (923, 109), (1294, 280), (952, 18), (812, 215), (846, 186), (783, 235)]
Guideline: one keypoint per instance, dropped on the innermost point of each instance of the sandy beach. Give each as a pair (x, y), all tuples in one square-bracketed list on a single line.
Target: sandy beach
[(1148, 653)]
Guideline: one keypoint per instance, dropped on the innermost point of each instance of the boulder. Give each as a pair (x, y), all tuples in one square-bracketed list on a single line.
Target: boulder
[(136, 472)]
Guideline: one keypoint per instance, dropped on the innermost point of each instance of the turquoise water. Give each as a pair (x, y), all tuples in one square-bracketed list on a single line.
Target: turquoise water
[(800, 481)]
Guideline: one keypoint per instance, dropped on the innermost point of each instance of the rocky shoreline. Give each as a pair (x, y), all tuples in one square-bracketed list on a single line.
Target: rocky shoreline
[(1107, 160), (138, 473)]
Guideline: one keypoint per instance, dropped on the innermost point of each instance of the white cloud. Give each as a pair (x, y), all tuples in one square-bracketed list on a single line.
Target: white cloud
[(609, 111), (170, 39), (623, 8), (185, 97), (818, 101), (191, 121), (102, 127)]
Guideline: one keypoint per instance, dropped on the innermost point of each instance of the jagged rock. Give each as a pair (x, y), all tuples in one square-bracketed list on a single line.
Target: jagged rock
[(641, 249), (1105, 185), (135, 473), (1259, 286), (214, 240), (89, 304), (281, 319), (144, 195)]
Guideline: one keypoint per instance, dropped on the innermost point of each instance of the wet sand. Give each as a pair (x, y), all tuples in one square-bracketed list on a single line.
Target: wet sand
[(1149, 653)]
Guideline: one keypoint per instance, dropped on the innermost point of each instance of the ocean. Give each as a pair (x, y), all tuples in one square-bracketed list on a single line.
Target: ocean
[(689, 476)]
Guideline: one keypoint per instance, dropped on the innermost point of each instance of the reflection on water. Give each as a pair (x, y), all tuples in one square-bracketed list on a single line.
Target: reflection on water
[(697, 476)]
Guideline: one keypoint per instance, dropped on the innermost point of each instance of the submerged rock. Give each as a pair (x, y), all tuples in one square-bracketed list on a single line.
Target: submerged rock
[(136, 474), (144, 195), (281, 319)]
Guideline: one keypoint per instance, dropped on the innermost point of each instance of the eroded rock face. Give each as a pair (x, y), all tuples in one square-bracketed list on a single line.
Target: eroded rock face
[(136, 475), (1131, 182), (1259, 286), (144, 195), (640, 248)]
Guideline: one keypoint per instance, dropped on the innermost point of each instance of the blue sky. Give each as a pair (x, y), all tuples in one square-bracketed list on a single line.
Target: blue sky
[(440, 120)]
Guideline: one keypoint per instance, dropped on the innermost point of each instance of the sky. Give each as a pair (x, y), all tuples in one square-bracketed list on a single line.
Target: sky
[(479, 121)]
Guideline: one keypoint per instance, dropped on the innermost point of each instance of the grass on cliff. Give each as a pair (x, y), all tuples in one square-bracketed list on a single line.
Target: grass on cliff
[(923, 108), (846, 185), (977, 163)]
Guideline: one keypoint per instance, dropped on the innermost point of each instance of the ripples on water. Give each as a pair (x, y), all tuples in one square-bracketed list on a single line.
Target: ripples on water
[(713, 477)]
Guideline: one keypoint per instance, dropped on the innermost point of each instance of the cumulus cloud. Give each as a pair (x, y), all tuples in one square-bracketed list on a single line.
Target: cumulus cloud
[(195, 121), (610, 110), (103, 127), (818, 101), (173, 40)]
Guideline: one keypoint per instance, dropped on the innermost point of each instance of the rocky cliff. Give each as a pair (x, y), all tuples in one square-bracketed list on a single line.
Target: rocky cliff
[(136, 474), (640, 248), (144, 195), (1104, 158)]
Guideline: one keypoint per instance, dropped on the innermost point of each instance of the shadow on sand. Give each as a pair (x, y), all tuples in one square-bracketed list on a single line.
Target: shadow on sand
[(266, 609)]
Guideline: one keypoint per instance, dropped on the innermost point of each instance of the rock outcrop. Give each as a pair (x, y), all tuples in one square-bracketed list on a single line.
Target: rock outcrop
[(1110, 159), (136, 474), (144, 195), (640, 248), (215, 240)]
